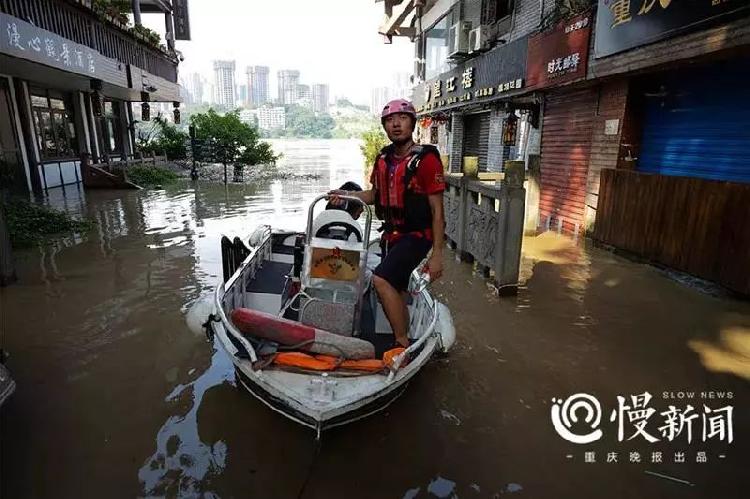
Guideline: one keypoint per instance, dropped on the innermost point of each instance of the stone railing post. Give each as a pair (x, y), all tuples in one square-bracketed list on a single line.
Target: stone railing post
[(463, 214), (510, 228)]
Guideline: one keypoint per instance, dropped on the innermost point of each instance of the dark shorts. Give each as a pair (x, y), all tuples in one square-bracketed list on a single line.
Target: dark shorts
[(401, 258)]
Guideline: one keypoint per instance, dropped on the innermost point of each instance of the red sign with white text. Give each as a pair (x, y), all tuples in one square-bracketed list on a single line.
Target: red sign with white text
[(560, 55)]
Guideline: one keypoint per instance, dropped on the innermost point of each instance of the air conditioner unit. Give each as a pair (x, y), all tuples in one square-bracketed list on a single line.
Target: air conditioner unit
[(458, 39), (478, 39)]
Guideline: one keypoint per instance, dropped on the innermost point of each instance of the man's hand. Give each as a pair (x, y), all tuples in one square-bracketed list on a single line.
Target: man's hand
[(334, 198), (435, 266)]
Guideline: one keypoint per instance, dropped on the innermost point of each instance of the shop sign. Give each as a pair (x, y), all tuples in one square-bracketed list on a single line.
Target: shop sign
[(498, 72), (625, 24), (21, 39), (559, 55)]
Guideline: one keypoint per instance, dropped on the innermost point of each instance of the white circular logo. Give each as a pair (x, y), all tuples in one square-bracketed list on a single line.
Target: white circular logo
[(564, 415)]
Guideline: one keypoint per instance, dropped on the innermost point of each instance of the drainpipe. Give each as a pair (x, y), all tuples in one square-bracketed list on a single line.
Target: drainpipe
[(541, 11), (136, 12)]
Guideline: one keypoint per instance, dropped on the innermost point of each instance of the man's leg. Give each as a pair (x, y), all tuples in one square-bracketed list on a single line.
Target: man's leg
[(395, 309), (391, 279)]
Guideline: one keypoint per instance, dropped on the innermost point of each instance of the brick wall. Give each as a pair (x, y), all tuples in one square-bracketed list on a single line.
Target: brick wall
[(456, 142), (472, 11), (605, 149), (527, 17)]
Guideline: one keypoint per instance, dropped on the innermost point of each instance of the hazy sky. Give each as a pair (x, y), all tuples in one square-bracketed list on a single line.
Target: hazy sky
[(329, 41)]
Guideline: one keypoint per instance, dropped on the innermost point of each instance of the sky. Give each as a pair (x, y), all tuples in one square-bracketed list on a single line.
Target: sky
[(329, 41)]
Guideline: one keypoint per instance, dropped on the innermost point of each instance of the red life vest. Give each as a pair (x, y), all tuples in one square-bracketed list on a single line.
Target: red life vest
[(402, 209)]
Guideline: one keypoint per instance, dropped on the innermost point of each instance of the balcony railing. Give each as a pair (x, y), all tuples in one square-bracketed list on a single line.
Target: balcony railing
[(82, 26)]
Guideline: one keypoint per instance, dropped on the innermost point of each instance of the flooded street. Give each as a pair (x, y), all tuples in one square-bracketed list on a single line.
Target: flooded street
[(117, 397)]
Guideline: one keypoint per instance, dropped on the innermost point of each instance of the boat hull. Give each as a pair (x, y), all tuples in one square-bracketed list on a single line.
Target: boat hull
[(281, 406)]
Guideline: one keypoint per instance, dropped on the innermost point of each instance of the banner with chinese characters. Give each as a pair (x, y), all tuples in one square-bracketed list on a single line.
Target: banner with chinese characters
[(181, 19), (498, 73), (560, 55), (23, 40), (625, 24)]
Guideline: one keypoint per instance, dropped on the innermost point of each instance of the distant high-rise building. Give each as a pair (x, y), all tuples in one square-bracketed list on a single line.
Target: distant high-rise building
[(257, 85), (225, 83), (242, 94), (288, 80), (270, 118), (379, 98), (192, 88), (303, 92), (320, 97), (249, 116), (197, 90)]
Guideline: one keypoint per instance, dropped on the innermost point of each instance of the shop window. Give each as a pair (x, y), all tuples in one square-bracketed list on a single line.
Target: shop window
[(436, 49), (112, 127), (54, 126), (495, 10)]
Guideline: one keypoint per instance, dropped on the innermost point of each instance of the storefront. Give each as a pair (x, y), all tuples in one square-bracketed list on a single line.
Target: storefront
[(677, 193), (558, 58), (467, 106), (696, 122), (62, 101)]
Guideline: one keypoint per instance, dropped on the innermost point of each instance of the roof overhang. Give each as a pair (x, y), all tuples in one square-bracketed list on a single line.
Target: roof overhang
[(399, 15)]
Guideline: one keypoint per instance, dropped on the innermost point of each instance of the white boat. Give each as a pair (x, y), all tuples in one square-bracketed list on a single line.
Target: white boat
[(301, 276)]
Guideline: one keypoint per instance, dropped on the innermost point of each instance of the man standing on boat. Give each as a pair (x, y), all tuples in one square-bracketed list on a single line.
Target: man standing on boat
[(407, 191)]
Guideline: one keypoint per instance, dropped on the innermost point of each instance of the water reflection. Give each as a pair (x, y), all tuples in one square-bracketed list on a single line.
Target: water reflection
[(183, 464)]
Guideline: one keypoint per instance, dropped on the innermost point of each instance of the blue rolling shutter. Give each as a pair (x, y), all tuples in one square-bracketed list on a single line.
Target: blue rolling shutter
[(697, 123)]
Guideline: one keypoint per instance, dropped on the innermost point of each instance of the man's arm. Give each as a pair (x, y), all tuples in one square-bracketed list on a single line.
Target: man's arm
[(435, 263), (367, 197)]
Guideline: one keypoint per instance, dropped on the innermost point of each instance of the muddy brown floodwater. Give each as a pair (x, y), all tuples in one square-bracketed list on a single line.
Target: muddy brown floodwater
[(118, 398)]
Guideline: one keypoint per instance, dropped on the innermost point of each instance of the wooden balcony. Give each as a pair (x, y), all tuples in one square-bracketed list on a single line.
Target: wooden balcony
[(74, 21)]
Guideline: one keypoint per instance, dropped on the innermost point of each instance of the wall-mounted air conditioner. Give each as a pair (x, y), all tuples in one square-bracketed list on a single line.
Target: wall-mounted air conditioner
[(458, 39), (479, 39)]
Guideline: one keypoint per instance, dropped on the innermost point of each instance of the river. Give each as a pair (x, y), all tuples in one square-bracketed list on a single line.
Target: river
[(117, 397)]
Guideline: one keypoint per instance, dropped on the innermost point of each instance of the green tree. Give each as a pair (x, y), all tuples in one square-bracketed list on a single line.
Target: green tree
[(232, 141), (163, 138), (303, 122), (373, 141)]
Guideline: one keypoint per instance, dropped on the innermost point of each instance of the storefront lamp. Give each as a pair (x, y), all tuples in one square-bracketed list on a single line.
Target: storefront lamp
[(509, 134)]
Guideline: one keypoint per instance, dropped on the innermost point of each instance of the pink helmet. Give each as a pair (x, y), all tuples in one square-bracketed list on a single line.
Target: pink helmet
[(398, 106)]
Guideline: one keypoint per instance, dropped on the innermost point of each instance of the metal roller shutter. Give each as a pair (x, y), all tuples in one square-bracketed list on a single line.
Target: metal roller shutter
[(697, 123), (566, 144), (477, 137)]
